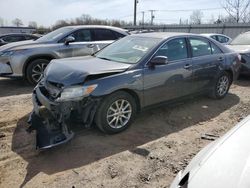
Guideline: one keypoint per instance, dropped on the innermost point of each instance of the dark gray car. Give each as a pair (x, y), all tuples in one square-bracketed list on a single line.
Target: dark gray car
[(29, 58), (16, 37), (136, 72)]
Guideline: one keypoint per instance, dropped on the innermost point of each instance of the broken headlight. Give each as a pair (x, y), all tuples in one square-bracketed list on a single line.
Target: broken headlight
[(76, 92)]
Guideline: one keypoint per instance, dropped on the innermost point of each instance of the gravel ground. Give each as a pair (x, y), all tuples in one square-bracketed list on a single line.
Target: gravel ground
[(149, 154)]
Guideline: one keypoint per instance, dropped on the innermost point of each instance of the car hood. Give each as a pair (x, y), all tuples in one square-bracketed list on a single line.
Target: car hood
[(21, 45), (240, 48), (224, 163), (72, 71)]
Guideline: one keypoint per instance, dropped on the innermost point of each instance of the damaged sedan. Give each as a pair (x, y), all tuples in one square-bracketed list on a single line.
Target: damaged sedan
[(138, 71)]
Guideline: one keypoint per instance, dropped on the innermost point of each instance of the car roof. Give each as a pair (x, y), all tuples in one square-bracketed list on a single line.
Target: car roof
[(211, 34), (164, 35), (96, 26)]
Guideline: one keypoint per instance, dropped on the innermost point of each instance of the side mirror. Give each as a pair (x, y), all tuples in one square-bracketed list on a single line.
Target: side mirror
[(68, 40), (158, 60)]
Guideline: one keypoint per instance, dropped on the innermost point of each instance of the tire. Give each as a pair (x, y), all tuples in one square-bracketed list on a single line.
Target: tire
[(221, 86), (35, 70), (111, 122)]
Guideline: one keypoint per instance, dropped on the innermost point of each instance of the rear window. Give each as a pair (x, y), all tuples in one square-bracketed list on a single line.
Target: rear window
[(104, 34), (200, 47)]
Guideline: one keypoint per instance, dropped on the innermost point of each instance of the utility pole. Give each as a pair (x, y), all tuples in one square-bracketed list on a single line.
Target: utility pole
[(152, 16), (143, 12), (135, 7)]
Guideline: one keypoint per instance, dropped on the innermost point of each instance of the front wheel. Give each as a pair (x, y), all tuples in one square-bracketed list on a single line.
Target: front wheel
[(116, 112), (221, 86), (35, 70)]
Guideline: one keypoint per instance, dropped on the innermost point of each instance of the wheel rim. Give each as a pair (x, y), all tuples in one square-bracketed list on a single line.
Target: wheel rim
[(37, 71), (119, 113), (222, 86)]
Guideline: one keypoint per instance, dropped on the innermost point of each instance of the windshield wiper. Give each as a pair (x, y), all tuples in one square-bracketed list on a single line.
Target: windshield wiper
[(104, 58)]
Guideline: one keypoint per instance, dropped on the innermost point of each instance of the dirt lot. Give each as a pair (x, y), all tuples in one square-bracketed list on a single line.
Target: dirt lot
[(149, 154)]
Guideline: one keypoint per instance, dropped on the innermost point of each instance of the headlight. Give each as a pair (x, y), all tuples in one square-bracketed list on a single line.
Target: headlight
[(76, 93)]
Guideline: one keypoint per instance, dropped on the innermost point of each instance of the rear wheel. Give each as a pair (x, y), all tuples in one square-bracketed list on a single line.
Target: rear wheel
[(35, 70), (116, 112), (221, 86)]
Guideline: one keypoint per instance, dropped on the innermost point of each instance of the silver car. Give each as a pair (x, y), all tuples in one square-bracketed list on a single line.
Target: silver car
[(223, 163), (29, 58), (223, 39)]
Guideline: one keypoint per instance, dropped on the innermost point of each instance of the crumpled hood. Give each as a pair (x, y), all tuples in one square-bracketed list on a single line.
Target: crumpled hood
[(240, 48), (72, 71), (20, 45)]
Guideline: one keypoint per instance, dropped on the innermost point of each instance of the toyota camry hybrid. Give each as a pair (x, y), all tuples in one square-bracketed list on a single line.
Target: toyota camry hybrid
[(110, 87)]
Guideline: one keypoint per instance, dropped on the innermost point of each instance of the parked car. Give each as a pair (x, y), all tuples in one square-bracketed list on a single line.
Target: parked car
[(136, 72), (29, 58), (241, 44), (223, 39), (223, 163), (16, 37)]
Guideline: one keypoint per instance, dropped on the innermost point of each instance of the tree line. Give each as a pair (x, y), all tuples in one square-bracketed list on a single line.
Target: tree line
[(238, 11)]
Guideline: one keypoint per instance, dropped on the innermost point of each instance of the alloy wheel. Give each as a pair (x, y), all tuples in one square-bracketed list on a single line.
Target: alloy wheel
[(37, 71), (119, 113), (222, 85)]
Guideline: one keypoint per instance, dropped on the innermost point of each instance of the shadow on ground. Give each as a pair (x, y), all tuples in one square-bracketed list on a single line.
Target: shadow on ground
[(11, 86), (243, 81), (91, 145)]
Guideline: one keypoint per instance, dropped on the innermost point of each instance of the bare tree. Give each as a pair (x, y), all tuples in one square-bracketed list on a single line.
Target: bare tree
[(238, 10), (196, 17), (32, 24), (17, 22)]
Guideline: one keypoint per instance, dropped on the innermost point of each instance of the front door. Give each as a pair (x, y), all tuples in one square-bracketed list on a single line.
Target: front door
[(170, 81)]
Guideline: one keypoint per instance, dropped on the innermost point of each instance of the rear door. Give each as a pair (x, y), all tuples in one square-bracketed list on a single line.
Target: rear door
[(173, 80), (206, 59)]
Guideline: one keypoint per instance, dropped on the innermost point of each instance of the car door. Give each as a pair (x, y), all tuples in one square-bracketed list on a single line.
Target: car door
[(172, 80), (206, 59), (80, 47)]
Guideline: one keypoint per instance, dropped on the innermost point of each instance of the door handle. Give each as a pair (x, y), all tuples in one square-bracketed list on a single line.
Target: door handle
[(220, 58), (187, 66), (90, 45)]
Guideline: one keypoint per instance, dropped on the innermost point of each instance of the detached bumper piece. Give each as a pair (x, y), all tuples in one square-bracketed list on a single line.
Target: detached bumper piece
[(49, 133)]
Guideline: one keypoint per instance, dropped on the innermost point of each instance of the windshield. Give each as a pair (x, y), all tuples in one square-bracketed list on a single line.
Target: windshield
[(54, 34), (130, 49), (243, 39)]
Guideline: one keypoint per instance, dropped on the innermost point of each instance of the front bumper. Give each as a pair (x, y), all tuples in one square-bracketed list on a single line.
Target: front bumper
[(5, 69), (51, 119)]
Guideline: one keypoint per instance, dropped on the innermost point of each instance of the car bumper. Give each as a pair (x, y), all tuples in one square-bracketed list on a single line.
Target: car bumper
[(12, 66), (51, 120), (5, 69)]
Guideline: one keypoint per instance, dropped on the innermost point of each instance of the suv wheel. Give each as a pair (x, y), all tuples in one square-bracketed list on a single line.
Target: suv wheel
[(35, 70), (116, 112), (222, 86)]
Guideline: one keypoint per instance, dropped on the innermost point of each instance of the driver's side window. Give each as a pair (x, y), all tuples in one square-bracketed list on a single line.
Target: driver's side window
[(82, 35), (175, 49)]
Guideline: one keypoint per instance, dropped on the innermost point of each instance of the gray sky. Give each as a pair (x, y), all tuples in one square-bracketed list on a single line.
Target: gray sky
[(47, 12)]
